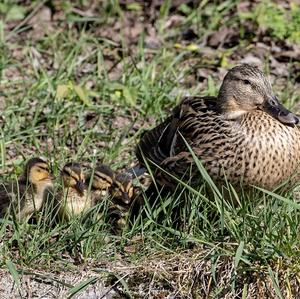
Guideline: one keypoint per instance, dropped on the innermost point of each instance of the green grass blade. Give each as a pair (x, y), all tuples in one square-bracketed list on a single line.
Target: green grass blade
[(238, 254), (81, 287), (13, 272), (275, 283)]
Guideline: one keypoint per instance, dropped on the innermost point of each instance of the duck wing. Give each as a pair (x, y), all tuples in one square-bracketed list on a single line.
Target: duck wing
[(164, 141)]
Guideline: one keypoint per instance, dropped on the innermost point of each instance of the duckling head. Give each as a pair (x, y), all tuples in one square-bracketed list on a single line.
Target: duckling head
[(122, 190), (73, 177), (245, 89), (37, 171), (103, 177)]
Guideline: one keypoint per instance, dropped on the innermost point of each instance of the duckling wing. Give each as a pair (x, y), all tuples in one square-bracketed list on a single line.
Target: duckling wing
[(12, 195), (5, 199), (162, 142)]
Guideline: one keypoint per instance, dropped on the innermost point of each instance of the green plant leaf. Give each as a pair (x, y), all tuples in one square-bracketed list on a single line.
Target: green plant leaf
[(14, 272), (62, 91), (129, 95), (238, 254), (15, 13), (82, 94), (81, 286)]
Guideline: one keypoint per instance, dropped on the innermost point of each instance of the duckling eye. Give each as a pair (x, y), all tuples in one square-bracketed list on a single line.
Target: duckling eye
[(247, 82)]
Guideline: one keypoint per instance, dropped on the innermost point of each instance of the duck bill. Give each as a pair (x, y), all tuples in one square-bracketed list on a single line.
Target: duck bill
[(126, 198), (274, 108), (80, 187)]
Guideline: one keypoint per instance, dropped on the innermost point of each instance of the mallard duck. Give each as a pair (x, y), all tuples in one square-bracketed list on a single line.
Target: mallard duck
[(74, 198), (28, 194), (244, 134)]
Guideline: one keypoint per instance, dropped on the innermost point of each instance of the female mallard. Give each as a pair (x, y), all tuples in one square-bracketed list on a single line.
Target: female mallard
[(243, 134)]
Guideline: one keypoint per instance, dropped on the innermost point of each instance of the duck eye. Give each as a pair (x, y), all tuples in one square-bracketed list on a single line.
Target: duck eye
[(272, 102), (247, 82)]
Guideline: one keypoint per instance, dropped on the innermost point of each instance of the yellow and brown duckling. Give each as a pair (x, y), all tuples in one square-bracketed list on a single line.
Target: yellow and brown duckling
[(122, 196), (244, 134), (104, 183), (122, 190), (28, 194), (74, 198)]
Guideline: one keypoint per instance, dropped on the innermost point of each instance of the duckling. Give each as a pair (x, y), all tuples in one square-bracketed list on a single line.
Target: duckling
[(74, 198), (122, 192), (244, 135), (28, 194)]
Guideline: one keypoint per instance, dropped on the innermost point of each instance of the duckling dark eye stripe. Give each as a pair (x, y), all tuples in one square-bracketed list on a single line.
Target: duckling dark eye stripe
[(42, 165), (70, 175), (104, 177), (120, 186), (66, 172), (44, 168), (128, 188)]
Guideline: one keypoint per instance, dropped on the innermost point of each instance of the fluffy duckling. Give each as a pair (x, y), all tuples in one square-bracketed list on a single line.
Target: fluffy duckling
[(74, 198), (28, 194), (122, 192)]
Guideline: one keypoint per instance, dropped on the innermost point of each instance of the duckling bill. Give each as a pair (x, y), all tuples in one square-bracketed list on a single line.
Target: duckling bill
[(244, 135)]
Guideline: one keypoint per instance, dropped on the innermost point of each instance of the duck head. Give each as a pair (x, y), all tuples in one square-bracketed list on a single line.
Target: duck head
[(246, 89), (73, 177), (37, 171), (122, 190)]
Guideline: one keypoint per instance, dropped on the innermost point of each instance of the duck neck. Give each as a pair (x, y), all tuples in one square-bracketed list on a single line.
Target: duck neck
[(42, 186), (229, 108)]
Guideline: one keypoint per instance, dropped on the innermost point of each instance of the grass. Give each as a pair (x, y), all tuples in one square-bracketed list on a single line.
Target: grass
[(82, 93)]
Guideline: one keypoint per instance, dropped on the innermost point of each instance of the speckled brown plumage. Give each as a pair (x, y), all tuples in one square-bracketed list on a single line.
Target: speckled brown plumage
[(244, 134)]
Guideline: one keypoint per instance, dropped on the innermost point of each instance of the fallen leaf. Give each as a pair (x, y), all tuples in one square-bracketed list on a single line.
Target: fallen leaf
[(15, 13), (220, 37), (82, 94), (62, 91)]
